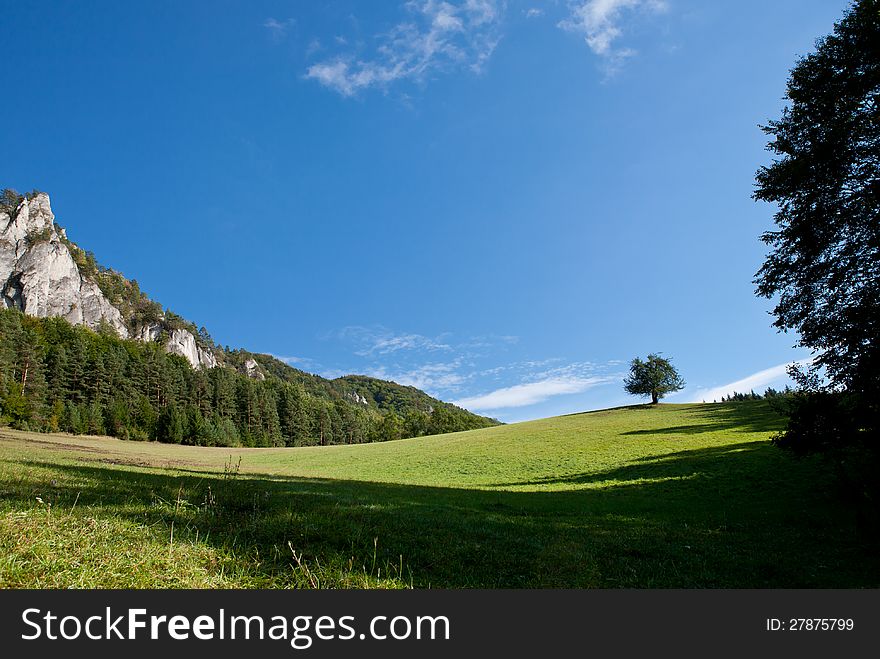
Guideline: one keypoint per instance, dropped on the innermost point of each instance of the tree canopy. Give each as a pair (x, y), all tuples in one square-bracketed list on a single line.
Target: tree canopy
[(824, 265), (654, 377)]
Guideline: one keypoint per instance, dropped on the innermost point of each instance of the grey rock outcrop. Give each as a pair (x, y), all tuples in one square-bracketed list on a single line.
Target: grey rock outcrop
[(357, 398), (183, 343), (252, 370), (39, 276), (148, 333)]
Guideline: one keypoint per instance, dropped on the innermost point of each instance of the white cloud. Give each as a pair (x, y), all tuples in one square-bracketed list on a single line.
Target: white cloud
[(371, 341), (533, 12), (449, 367), (278, 29), (530, 393), (438, 35), (757, 381), (386, 345), (490, 341), (598, 21), (431, 378)]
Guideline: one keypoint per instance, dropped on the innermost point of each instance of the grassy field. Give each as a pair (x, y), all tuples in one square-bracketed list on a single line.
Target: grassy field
[(669, 496)]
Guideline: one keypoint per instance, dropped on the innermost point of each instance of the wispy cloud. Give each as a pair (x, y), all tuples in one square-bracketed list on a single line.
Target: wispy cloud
[(372, 341), (488, 341), (599, 22), (436, 36), (533, 12), (278, 29), (530, 393), (386, 345), (476, 370), (757, 381), (432, 378)]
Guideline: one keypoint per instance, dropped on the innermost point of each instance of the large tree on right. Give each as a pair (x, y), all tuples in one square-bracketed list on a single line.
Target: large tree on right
[(824, 266), (823, 269)]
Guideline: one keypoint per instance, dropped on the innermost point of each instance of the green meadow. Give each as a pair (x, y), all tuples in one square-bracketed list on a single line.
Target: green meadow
[(645, 496)]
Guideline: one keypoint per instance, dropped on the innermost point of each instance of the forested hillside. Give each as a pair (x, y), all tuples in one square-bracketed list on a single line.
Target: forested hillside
[(55, 376)]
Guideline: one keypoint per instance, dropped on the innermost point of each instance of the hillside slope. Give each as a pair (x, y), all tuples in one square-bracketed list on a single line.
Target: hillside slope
[(669, 496)]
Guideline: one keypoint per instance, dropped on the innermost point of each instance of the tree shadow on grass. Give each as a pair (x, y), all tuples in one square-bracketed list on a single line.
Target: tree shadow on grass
[(748, 416), (704, 462), (639, 407), (738, 516)]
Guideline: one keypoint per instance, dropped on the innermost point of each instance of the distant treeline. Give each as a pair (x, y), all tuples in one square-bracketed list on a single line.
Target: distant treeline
[(58, 377), (770, 392)]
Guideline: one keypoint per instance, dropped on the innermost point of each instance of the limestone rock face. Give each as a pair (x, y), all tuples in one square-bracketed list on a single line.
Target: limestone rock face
[(39, 276), (207, 359), (252, 370), (183, 343), (149, 333)]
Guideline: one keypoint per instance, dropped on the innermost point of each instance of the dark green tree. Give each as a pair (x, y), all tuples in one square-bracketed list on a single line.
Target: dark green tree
[(654, 377), (14, 406), (322, 422), (56, 367), (77, 364), (97, 380), (200, 392), (117, 417), (824, 265), (10, 333), (31, 367), (248, 411), (823, 269), (390, 428), (270, 425), (416, 423), (171, 425), (223, 382), (294, 415), (74, 421)]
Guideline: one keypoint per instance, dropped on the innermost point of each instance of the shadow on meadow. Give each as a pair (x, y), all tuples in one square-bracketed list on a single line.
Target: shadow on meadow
[(704, 463), (724, 417), (744, 515)]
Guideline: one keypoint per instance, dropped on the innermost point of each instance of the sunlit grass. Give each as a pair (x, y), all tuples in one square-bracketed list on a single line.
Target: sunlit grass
[(675, 496)]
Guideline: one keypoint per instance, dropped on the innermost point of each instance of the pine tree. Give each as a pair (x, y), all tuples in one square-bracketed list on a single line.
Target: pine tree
[(57, 374)]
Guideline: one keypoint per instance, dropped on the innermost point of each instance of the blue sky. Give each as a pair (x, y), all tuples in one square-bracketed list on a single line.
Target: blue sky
[(501, 203)]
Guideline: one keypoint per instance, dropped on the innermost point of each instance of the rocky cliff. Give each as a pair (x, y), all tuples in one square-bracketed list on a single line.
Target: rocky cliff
[(38, 273), (183, 343), (39, 276)]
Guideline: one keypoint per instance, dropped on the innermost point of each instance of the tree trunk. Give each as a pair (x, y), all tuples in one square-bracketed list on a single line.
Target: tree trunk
[(654, 398)]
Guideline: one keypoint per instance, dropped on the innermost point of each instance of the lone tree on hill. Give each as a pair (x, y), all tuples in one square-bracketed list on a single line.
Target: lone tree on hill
[(654, 377)]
